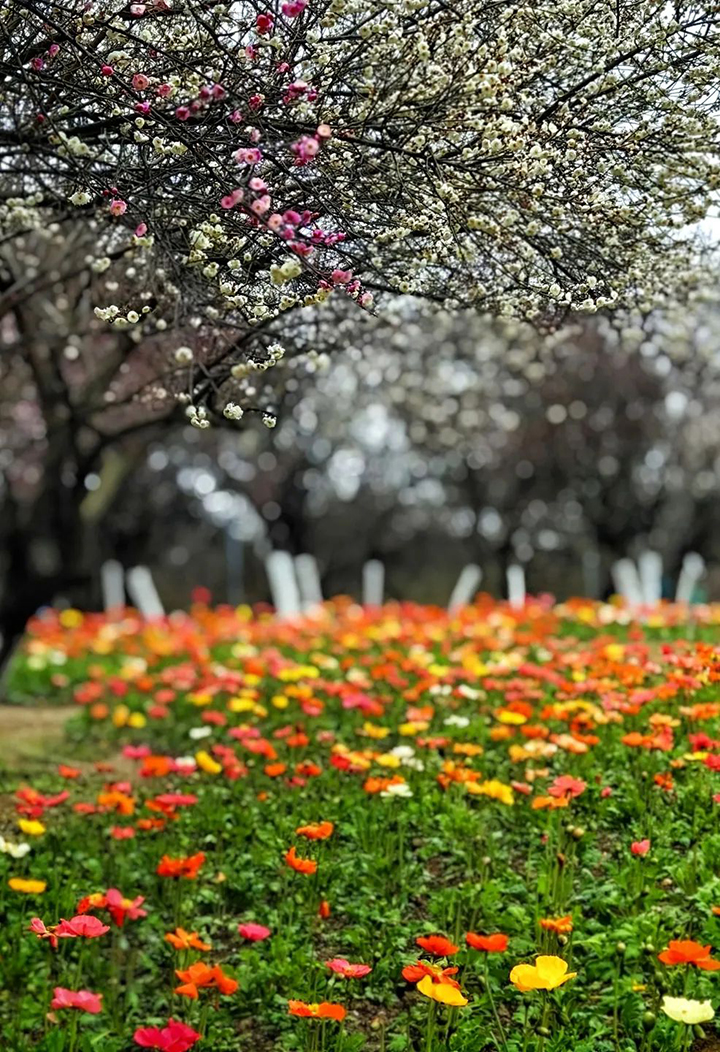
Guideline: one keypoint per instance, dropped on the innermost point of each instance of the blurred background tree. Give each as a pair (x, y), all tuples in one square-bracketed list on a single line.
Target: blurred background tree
[(429, 443)]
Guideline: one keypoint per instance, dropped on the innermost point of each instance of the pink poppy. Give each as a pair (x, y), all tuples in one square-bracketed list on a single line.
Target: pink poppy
[(40, 929), (347, 970), (566, 785), (84, 1000), (253, 932), (83, 926)]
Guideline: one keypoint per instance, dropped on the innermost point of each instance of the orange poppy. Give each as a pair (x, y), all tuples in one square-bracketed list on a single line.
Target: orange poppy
[(549, 803), (324, 1010), (186, 940), (114, 800), (300, 865), (199, 976), (187, 868), (316, 830), (685, 951), (560, 925)]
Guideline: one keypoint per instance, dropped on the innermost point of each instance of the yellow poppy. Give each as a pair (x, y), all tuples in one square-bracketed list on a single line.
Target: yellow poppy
[(206, 763), (28, 887), (546, 974), (445, 993), (494, 789), (31, 826)]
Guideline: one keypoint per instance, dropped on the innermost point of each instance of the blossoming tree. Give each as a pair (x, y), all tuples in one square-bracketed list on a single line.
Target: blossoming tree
[(237, 159)]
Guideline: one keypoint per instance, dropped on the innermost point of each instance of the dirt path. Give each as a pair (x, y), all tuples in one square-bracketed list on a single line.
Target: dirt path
[(33, 734)]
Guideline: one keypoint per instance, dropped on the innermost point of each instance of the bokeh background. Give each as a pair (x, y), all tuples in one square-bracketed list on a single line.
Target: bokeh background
[(424, 440)]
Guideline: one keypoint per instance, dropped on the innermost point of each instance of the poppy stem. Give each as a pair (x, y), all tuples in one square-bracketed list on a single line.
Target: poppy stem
[(543, 1020), (526, 1032), (491, 999), (73, 1032), (430, 1027)]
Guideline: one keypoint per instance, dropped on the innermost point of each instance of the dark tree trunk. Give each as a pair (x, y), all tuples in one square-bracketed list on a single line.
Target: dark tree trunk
[(47, 551)]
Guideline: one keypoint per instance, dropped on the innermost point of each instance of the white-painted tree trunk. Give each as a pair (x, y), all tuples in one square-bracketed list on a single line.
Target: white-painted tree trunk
[(373, 583), (627, 582), (112, 582), (308, 579), (650, 566), (465, 588), (143, 592), (516, 586), (280, 569), (693, 568)]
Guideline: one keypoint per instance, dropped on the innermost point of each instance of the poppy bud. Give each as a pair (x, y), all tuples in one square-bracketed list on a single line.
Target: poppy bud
[(648, 1021), (666, 883), (544, 1031), (486, 860), (578, 832), (621, 948), (649, 947), (562, 939), (561, 860)]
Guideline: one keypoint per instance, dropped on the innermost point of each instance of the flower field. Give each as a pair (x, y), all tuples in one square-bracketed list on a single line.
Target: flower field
[(392, 829)]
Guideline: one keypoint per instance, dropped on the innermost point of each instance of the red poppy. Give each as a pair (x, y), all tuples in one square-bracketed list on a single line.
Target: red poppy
[(68, 772), (175, 1037), (437, 945), (122, 832), (489, 943), (413, 973)]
